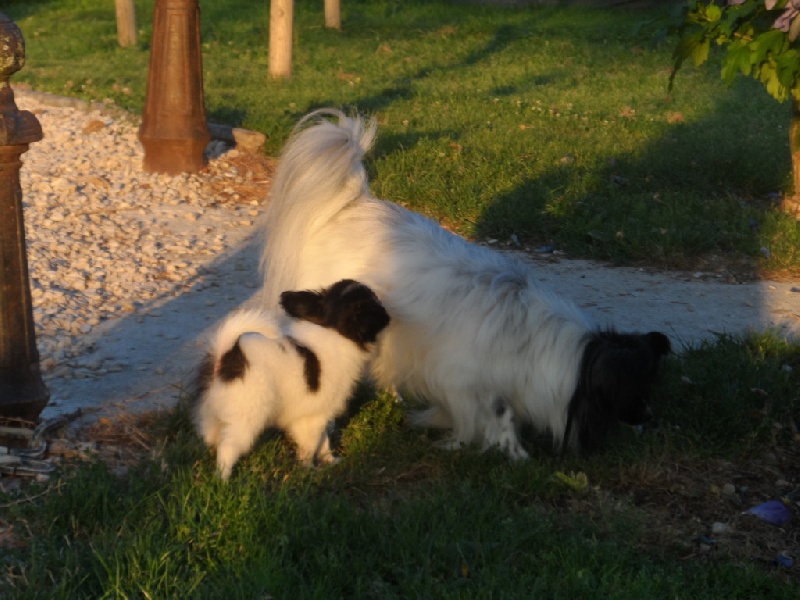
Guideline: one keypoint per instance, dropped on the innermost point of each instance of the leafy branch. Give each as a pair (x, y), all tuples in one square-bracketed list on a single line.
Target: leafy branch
[(760, 38)]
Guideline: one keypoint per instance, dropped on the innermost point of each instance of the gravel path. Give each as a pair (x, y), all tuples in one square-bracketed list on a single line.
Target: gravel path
[(129, 269)]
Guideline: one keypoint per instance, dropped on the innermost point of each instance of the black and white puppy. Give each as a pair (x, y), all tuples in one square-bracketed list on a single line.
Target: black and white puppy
[(296, 374), (473, 332)]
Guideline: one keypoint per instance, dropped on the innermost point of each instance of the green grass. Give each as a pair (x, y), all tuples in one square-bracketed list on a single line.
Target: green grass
[(553, 124), (550, 124), (398, 518)]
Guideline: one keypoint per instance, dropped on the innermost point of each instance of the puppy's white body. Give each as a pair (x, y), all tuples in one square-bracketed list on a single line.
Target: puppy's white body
[(274, 390)]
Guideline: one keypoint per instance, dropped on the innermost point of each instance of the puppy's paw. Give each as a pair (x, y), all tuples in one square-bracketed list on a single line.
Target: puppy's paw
[(226, 459), (327, 459), (224, 470)]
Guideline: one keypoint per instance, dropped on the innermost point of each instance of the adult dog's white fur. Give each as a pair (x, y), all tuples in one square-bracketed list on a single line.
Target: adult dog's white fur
[(295, 374), (472, 332)]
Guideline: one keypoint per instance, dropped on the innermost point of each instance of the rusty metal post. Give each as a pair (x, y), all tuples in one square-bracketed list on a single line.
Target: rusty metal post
[(22, 391), (174, 131)]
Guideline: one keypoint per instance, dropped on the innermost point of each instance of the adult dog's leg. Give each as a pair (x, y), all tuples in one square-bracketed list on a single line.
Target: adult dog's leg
[(500, 431)]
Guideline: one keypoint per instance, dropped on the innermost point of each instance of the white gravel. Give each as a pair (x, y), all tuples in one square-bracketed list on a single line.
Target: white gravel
[(112, 249), (129, 269)]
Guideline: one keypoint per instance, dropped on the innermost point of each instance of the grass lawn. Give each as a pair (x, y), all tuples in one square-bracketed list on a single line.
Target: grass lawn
[(553, 125), (545, 125)]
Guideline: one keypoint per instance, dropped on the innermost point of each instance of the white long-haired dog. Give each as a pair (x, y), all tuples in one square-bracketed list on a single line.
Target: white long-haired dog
[(473, 332), (295, 374)]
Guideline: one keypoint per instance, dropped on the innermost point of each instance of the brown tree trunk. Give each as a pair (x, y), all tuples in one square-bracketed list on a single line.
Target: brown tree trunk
[(281, 16), (333, 14), (126, 23), (791, 203)]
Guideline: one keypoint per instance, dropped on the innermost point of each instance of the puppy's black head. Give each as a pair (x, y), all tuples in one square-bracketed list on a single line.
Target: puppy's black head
[(348, 307), (616, 375)]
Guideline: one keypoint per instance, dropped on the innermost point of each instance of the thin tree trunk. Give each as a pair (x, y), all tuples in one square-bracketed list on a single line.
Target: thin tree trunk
[(333, 15), (280, 38), (791, 204), (126, 23)]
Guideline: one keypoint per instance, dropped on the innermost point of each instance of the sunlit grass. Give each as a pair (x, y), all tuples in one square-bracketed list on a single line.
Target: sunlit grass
[(551, 125)]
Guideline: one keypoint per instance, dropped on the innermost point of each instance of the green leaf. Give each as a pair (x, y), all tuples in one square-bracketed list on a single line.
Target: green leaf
[(769, 77), (736, 61), (788, 67), (713, 13), (683, 50), (770, 42), (700, 52), (577, 482)]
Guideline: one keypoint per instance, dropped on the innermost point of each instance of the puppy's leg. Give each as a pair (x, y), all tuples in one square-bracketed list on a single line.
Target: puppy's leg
[(230, 449), (210, 430), (236, 439), (500, 431), (311, 436), (207, 423), (325, 454)]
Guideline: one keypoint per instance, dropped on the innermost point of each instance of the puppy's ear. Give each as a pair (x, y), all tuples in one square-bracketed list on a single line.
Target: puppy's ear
[(305, 305), (659, 343), (368, 318)]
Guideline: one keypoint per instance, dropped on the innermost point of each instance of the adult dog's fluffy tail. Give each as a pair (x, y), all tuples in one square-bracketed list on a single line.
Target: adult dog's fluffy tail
[(319, 174)]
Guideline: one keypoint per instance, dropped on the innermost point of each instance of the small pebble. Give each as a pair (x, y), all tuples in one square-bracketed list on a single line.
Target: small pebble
[(720, 528)]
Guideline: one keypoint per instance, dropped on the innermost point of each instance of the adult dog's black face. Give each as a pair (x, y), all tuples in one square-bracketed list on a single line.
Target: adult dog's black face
[(617, 374), (349, 307)]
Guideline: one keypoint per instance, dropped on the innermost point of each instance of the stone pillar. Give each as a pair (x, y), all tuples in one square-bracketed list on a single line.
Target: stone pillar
[(22, 391), (174, 131)]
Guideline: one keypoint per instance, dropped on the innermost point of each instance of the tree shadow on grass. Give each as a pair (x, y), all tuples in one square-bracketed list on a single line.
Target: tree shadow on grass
[(697, 190)]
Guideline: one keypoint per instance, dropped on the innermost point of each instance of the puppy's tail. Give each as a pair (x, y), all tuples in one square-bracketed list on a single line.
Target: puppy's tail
[(319, 173), (239, 323)]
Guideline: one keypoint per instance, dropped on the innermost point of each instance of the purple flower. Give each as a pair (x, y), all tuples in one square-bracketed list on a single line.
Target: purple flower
[(773, 512), (770, 4), (785, 20), (789, 14)]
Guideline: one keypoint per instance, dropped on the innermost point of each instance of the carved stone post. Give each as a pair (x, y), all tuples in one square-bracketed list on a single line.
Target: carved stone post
[(22, 391), (174, 131)]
